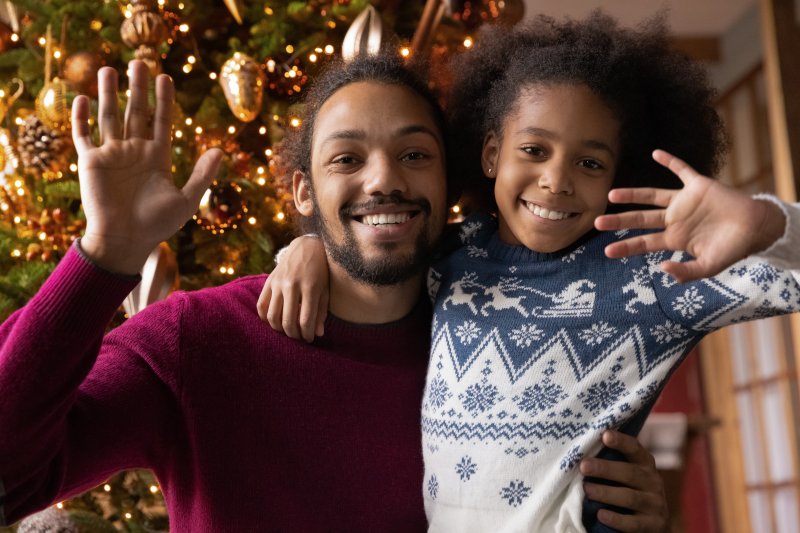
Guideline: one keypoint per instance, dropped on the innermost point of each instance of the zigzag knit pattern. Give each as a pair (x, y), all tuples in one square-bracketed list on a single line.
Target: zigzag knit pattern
[(534, 355)]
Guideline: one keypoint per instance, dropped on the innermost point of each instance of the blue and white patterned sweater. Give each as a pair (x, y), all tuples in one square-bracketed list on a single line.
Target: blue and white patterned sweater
[(534, 355)]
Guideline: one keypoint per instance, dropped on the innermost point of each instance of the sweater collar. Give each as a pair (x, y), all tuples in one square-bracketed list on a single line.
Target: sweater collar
[(520, 254)]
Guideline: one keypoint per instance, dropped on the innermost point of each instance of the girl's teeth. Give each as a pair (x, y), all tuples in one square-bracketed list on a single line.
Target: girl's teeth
[(386, 218), (546, 213)]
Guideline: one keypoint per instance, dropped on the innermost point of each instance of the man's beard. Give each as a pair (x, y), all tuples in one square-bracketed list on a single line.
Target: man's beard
[(389, 269)]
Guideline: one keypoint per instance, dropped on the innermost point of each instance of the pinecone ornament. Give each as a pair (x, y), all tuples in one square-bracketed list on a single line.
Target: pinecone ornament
[(43, 149)]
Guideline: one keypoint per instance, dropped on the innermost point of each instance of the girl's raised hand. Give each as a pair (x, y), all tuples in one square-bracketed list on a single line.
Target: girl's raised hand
[(128, 194), (714, 223), (294, 299)]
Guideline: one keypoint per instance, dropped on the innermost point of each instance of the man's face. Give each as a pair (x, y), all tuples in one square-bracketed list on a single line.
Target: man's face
[(378, 181)]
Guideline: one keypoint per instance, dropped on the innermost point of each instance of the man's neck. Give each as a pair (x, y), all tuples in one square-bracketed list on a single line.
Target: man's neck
[(362, 303)]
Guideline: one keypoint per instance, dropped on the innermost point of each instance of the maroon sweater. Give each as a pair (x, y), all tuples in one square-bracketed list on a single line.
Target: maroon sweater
[(246, 429)]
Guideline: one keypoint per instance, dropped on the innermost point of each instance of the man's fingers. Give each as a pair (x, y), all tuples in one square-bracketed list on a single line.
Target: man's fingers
[(630, 447), (81, 135), (631, 220), (639, 245), (633, 523), (108, 107), (162, 119), (137, 112), (642, 195), (633, 500), (205, 170)]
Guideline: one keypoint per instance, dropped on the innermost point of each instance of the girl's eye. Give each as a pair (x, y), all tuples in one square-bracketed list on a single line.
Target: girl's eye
[(414, 156), (536, 151), (590, 164)]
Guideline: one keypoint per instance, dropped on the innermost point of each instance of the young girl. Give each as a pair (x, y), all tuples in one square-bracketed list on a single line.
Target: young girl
[(546, 332)]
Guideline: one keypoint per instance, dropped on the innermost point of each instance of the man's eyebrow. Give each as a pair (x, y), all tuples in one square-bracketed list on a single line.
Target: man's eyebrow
[(360, 135), (346, 134), (547, 134)]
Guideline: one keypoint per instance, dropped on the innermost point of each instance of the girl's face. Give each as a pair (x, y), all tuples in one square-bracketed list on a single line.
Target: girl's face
[(554, 165)]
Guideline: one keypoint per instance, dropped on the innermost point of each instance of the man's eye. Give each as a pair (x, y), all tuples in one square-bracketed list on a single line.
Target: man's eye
[(344, 160)]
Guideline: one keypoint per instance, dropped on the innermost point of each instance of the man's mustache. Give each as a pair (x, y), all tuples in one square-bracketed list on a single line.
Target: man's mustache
[(392, 199)]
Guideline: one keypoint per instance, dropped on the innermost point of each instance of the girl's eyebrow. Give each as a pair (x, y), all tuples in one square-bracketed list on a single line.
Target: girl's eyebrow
[(547, 134)]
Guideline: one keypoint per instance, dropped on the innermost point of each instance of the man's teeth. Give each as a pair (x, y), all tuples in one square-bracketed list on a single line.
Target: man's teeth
[(385, 218), (546, 213)]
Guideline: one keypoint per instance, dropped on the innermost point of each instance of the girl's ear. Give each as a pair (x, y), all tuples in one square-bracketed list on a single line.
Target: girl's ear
[(490, 154), (301, 188)]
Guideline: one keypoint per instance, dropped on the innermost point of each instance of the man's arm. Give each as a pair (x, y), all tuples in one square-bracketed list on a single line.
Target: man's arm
[(76, 407)]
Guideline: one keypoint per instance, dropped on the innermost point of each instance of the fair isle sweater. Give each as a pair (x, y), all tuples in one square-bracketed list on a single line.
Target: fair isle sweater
[(534, 355), (245, 428)]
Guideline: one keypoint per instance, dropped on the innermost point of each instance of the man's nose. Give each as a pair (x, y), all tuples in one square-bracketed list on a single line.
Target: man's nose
[(383, 177)]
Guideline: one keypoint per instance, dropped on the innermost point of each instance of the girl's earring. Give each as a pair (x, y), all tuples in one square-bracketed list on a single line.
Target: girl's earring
[(489, 172)]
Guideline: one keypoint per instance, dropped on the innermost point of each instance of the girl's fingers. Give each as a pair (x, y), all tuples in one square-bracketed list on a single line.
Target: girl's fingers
[(137, 112), (108, 106), (639, 245), (653, 219), (642, 195), (678, 166)]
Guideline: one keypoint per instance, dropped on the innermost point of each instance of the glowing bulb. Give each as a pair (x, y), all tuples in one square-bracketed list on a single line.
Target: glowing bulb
[(468, 42), (107, 487), (268, 10), (189, 121), (42, 236), (260, 170), (268, 152), (4, 206), (295, 122), (128, 93), (222, 270), (318, 50), (212, 75), (21, 192), (57, 54), (187, 68), (18, 183), (16, 253), (198, 130), (261, 181), (405, 51), (17, 220), (262, 130), (230, 271), (153, 489), (231, 129), (329, 49), (14, 38), (456, 209), (178, 134), (128, 516), (60, 505), (181, 5), (331, 24), (184, 28), (73, 167), (19, 121), (289, 48), (313, 58), (191, 59), (42, 41), (280, 216), (271, 65)]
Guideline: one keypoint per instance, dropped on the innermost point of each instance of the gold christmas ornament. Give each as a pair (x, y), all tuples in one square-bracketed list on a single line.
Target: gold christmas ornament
[(243, 84), (159, 278), (236, 8), (8, 159), (365, 35), (7, 98), (51, 103), (145, 30), (80, 72)]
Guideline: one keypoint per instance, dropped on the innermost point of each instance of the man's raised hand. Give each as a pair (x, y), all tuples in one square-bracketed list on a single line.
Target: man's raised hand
[(127, 190)]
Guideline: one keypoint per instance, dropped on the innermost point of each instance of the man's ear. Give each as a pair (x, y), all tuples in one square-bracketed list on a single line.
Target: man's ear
[(301, 188), (490, 154)]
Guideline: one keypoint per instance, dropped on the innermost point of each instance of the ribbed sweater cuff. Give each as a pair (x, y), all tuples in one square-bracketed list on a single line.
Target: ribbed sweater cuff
[(783, 252), (78, 294)]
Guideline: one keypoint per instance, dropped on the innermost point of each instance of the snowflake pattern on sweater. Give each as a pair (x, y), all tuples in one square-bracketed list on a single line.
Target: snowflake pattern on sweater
[(534, 355)]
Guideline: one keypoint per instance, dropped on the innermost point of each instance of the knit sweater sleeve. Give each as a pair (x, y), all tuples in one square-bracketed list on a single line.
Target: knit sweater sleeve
[(763, 285), (77, 407)]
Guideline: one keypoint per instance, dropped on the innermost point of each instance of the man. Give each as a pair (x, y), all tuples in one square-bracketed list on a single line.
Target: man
[(246, 429)]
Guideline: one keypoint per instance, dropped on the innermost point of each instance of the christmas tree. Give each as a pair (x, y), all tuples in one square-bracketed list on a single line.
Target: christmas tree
[(239, 69)]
